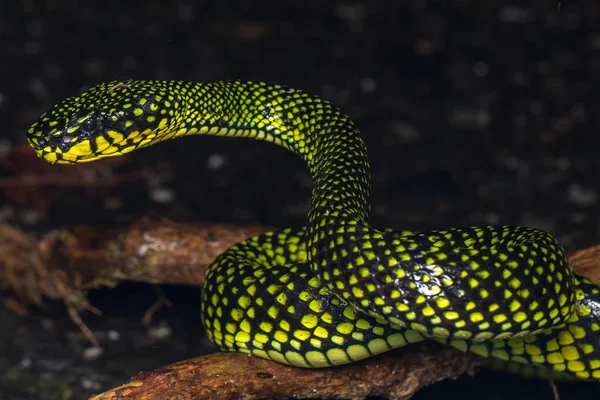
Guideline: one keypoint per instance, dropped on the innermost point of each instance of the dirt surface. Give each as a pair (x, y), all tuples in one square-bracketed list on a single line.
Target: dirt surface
[(473, 113)]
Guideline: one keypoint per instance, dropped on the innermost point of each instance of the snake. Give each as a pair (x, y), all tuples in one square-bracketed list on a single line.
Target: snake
[(337, 290)]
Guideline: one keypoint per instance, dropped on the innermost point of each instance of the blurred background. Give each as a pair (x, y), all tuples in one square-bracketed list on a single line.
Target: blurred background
[(473, 113)]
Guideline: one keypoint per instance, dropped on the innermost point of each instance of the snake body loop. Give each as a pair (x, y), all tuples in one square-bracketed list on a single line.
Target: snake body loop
[(338, 290)]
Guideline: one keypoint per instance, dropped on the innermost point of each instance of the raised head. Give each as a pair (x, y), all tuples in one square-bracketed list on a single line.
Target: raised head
[(109, 119)]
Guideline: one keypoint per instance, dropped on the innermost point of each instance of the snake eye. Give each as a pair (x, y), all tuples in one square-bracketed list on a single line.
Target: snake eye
[(67, 138), (89, 126)]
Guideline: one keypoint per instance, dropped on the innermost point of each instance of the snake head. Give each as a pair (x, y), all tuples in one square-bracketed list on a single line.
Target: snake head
[(110, 119)]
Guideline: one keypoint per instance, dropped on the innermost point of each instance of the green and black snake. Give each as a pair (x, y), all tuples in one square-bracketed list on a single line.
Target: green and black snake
[(338, 290)]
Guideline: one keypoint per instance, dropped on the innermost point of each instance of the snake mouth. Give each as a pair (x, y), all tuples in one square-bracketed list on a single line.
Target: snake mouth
[(57, 154), (68, 159), (57, 158)]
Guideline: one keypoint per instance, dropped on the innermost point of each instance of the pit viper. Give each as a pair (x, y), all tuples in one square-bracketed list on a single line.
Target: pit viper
[(338, 290)]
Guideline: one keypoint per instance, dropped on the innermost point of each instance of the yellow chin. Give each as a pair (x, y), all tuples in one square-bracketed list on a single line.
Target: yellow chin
[(82, 151), (66, 158), (56, 158)]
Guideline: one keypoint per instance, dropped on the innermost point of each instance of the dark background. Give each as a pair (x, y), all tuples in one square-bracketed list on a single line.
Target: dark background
[(473, 113)]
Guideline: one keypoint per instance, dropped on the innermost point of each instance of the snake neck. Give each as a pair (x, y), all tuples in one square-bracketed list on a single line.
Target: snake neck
[(312, 128)]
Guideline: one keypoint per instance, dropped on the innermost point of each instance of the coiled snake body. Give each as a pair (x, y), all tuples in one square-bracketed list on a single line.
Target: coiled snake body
[(339, 290)]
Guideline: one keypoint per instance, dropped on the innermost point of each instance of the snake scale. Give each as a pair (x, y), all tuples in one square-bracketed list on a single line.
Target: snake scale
[(338, 290)]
